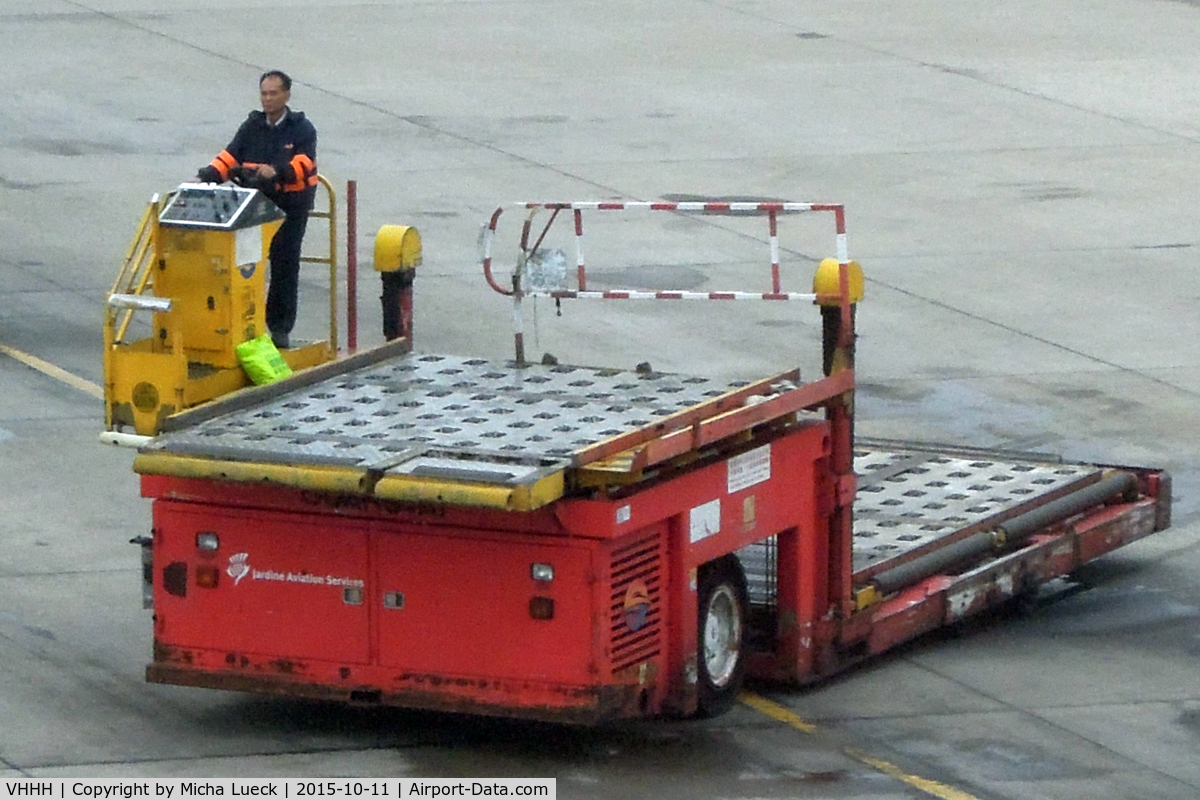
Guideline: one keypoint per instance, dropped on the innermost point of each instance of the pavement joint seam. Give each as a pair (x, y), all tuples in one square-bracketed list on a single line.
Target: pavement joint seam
[(71, 572), (1051, 249), (1033, 336), (1012, 707), (418, 121), (972, 75), (6, 764)]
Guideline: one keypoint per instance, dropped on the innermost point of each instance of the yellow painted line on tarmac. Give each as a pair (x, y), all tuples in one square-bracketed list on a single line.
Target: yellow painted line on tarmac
[(776, 712), (58, 373), (785, 715), (935, 788)]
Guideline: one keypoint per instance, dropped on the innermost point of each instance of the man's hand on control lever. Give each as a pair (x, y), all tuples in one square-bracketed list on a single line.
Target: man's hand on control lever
[(249, 177)]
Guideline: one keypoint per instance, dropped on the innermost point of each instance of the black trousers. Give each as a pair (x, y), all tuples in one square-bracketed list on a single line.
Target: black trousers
[(284, 289)]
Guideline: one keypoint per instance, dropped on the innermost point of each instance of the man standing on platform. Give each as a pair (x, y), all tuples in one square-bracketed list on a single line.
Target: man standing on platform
[(275, 151)]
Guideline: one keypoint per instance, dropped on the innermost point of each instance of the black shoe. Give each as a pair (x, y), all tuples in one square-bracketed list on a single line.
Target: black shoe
[(280, 340)]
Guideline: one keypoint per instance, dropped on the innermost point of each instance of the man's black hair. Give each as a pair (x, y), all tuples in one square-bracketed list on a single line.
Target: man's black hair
[(283, 78)]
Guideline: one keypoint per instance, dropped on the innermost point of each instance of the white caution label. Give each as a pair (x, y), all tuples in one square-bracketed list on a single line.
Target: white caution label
[(248, 245), (749, 468)]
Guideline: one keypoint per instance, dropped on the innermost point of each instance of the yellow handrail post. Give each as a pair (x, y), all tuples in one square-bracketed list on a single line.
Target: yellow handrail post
[(331, 214)]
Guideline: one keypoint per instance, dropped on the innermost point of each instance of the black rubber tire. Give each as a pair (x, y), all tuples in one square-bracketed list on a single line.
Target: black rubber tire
[(723, 602)]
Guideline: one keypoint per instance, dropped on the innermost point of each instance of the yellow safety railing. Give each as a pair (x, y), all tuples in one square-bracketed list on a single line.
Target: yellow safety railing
[(330, 213), (136, 272)]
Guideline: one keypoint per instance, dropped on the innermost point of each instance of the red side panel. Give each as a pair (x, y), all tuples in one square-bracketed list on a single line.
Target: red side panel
[(281, 584), (467, 608)]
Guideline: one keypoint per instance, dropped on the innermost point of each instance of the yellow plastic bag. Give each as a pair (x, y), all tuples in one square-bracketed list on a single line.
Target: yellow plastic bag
[(262, 361)]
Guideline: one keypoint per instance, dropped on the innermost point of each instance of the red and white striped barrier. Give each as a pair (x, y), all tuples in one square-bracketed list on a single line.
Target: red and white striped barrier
[(630, 294), (770, 210)]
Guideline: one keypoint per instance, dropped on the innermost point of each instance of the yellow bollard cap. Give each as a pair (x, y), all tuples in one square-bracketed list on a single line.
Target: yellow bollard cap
[(827, 282), (397, 247)]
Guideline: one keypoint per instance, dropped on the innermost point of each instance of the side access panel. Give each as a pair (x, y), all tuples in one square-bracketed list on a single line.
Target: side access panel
[(452, 605), (278, 585)]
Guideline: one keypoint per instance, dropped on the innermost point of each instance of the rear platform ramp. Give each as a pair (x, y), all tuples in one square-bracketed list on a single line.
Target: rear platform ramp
[(915, 499)]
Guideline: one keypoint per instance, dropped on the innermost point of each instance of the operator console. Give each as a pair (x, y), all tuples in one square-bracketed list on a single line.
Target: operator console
[(219, 207)]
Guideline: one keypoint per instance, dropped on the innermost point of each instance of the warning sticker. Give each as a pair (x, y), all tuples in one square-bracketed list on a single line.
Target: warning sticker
[(704, 520), (749, 468), (247, 249)]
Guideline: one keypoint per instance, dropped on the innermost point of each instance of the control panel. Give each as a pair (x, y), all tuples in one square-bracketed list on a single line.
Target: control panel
[(221, 207)]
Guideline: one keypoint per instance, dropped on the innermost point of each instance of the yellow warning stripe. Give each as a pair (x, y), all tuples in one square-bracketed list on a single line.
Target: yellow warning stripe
[(46, 368), (934, 788), (776, 712), (785, 715)]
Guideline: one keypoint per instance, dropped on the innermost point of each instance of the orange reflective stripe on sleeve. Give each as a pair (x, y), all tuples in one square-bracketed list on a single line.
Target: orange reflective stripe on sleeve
[(223, 163), (305, 170)]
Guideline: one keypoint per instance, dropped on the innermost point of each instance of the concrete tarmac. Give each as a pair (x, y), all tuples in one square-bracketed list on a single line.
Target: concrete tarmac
[(1021, 182)]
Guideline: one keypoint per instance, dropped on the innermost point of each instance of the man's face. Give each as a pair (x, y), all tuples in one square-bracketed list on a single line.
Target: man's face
[(273, 96)]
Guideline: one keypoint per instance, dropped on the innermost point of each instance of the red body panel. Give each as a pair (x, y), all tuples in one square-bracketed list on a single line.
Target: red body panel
[(467, 605), (353, 598), (278, 593), (622, 639)]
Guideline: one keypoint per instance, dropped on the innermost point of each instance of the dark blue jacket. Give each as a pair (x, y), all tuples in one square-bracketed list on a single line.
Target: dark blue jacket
[(290, 147)]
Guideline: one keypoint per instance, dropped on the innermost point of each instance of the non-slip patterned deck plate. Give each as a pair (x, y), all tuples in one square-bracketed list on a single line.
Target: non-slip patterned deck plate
[(384, 414), (911, 497), (908, 500), (494, 422)]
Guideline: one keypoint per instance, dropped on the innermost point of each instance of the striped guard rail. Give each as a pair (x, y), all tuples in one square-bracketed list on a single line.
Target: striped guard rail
[(771, 210), (622, 294)]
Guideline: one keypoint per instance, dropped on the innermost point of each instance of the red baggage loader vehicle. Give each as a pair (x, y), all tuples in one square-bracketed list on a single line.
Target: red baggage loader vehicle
[(581, 544)]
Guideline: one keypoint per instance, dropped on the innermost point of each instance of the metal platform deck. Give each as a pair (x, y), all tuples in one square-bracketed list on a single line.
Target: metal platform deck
[(474, 420), (481, 419), (913, 498), (910, 500)]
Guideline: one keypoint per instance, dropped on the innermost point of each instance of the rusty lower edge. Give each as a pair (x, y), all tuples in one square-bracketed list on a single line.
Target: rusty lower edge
[(596, 704)]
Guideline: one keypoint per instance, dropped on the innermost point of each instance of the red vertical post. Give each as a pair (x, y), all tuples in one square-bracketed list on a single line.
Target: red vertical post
[(352, 265), (683, 629), (792, 628)]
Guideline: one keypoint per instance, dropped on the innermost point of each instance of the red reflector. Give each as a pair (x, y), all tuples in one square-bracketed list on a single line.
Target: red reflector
[(207, 576), (541, 607)]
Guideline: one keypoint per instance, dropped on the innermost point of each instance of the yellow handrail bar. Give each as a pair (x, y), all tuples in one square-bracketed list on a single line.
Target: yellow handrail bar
[(138, 242), (329, 213), (136, 272)]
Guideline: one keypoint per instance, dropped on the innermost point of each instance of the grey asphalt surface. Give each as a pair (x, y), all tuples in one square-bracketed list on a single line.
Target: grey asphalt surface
[(1021, 183)]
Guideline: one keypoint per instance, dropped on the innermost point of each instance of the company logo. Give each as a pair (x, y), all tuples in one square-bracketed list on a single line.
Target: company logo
[(238, 568), (247, 270), (637, 605)]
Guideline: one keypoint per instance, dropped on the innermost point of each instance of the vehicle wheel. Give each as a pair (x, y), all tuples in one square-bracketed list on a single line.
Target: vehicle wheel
[(721, 645)]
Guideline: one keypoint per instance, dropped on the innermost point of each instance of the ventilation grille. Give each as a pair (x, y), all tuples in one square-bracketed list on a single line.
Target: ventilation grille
[(635, 618)]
